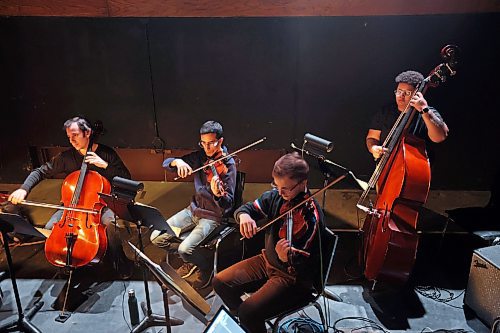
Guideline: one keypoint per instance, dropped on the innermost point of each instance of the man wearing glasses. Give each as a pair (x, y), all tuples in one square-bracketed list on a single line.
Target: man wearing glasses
[(283, 275), (211, 202), (405, 95)]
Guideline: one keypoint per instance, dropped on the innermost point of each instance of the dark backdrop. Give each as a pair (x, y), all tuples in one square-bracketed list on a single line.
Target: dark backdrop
[(274, 77)]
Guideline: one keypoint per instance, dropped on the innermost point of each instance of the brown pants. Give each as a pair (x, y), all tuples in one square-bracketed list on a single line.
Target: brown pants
[(274, 292)]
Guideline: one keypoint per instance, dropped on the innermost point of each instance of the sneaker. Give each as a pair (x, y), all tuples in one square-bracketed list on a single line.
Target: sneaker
[(203, 279), (186, 270)]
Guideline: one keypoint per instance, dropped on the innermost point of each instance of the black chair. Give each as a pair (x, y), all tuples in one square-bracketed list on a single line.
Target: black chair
[(228, 224), (329, 244)]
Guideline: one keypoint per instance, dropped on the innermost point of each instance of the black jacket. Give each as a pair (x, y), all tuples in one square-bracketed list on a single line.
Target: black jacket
[(304, 267)]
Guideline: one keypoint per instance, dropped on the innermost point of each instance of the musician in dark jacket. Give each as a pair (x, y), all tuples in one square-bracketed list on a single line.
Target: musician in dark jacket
[(101, 159), (211, 202), (285, 273)]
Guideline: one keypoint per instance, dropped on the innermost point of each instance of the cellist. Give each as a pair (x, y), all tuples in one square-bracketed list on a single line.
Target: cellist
[(382, 122), (101, 159)]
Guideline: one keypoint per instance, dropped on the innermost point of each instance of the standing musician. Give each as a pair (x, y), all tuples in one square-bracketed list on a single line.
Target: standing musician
[(281, 276), (213, 199), (101, 159), (382, 122)]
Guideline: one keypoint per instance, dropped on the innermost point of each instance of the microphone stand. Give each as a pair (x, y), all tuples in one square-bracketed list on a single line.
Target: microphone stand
[(323, 164), (143, 215)]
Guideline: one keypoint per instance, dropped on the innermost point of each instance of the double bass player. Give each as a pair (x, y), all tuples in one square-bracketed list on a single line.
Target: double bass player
[(437, 130), (396, 139)]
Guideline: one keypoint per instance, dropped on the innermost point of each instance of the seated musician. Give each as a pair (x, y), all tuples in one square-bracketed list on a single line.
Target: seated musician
[(211, 202), (383, 121), (281, 277), (101, 159)]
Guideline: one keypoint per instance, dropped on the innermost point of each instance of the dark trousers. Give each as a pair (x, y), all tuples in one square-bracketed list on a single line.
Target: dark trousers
[(273, 292)]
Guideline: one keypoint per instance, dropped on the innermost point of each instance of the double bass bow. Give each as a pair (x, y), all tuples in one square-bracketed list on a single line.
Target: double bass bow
[(402, 179)]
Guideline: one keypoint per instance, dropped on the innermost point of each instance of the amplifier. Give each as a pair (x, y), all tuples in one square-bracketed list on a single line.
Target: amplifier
[(483, 289)]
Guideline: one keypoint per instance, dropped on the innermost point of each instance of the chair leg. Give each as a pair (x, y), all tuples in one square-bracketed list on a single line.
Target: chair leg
[(276, 325), (321, 315)]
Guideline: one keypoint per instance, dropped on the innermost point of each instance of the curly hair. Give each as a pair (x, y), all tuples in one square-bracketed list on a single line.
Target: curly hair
[(292, 166), (410, 77)]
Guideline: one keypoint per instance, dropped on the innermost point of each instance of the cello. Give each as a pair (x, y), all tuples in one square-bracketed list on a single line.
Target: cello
[(79, 237), (402, 179)]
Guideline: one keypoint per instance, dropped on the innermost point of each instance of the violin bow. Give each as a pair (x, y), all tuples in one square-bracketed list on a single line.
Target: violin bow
[(338, 179), (226, 156)]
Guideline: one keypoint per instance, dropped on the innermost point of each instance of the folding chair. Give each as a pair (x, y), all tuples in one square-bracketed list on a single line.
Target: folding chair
[(228, 225), (329, 245)]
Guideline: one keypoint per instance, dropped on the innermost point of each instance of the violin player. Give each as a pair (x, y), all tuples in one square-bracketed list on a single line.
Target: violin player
[(383, 121), (101, 159), (213, 199), (283, 275)]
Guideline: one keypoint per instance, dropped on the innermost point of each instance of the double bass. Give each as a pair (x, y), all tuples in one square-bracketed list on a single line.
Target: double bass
[(79, 237), (402, 179)]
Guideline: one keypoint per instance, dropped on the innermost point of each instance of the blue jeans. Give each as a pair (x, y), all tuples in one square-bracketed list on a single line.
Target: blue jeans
[(188, 250)]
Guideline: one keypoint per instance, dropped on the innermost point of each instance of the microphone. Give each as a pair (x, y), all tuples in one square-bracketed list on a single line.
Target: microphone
[(318, 142), (127, 184)]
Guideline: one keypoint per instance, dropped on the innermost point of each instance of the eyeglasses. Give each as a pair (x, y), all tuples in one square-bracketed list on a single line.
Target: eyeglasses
[(400, 92), (204, 144), (284, 189)]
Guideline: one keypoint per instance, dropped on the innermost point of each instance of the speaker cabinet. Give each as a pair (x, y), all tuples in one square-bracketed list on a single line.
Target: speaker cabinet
[(483, 289)]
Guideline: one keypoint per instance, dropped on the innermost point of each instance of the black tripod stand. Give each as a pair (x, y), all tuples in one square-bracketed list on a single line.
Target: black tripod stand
[(168, 279), (143, 215), (316, 148), (9, 223)]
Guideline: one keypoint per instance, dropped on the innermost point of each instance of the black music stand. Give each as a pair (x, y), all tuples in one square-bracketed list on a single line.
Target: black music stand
[(143, 215), (9, 223), (168, 278)]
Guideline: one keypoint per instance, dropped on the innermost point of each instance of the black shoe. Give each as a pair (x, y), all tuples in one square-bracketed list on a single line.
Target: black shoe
[(186, 270), (202, 279), (125, 269)]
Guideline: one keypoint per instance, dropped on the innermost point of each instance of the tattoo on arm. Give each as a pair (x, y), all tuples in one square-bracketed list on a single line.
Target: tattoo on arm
[(436, 120)]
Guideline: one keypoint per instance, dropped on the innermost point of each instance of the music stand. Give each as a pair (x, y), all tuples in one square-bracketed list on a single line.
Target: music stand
[(148, 216), (9, 223), (168, 278)]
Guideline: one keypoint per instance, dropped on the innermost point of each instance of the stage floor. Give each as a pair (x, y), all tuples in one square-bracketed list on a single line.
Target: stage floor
[(433, 299), (98, 299)]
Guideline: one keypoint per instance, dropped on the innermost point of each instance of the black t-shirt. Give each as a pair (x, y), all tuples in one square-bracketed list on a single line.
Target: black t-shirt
[(384, 119)]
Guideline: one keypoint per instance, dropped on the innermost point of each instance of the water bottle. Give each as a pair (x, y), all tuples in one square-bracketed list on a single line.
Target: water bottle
[(132, 307)]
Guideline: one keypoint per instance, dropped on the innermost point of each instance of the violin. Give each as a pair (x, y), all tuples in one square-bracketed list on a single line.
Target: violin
[(295, 225), (216, 169)]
